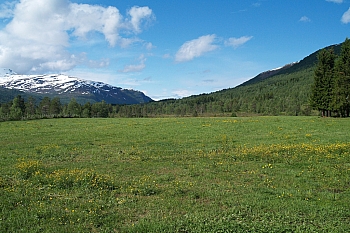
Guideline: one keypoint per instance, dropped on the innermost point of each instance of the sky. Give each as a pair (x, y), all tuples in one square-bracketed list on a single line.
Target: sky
[(166, 49)]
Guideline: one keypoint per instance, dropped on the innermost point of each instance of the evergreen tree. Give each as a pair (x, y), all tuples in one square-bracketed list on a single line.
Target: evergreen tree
[(341, 92), (322, 89)]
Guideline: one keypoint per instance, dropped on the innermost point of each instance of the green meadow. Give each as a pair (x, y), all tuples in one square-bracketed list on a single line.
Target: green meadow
[(259, 174)]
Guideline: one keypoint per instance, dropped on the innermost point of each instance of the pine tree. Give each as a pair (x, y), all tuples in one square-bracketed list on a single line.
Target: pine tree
[(341, 92), (322, 89)]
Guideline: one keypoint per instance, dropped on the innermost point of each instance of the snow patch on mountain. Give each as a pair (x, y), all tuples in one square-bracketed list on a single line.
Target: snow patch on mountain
[(285, 66), (68, 87), (51, 83)]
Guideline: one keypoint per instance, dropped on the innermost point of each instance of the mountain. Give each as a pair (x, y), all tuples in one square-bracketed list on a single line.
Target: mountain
[(267, 74), (281, 91), (67, 87), (303, 64)]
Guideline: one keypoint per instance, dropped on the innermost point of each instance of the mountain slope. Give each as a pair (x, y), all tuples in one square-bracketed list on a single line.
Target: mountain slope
[(267, 74), (67, 87), (307, 62), (281, 91)]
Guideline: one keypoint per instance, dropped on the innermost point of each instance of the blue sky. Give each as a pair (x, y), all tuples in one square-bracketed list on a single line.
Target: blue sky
[(167, 49)]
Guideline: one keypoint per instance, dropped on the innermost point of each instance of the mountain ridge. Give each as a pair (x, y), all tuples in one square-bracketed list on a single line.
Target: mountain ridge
[(307, 62), (67, 87)]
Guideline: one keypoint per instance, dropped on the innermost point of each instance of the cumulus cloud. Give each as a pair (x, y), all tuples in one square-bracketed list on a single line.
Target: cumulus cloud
[(84, 18), (335, 1), (39, 33), (236, 42), (195, 48), (135, 68), (137, 15), (304, 19), (346, 16)]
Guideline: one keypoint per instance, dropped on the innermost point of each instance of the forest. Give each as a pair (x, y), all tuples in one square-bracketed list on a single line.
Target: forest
[(266, 98), (331, 88), (317, 85)]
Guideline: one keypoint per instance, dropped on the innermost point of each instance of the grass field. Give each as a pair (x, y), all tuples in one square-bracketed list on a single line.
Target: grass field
[(262, 174)]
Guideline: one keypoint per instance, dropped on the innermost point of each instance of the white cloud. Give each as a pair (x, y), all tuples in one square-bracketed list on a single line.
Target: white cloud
[(335, 1), (137, 15), (305, 19), (135, 68), (346, 16), (97, 64), (84, 18), (236, 42), (195, 48), (6, 9), (149, 46), (39, 33), (106, 76)]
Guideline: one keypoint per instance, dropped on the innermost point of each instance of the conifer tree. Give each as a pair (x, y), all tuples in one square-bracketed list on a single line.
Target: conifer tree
[(341, 92), (321, 96)]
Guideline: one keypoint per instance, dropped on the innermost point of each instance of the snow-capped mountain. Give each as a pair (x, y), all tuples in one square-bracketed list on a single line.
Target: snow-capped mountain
[(63, 85)]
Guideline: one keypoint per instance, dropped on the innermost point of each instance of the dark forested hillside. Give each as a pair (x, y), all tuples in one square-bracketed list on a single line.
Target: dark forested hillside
[(278, 92), (285, 94), (7, 95), (307, 62)]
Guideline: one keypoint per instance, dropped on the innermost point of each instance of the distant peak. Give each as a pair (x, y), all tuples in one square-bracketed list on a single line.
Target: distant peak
[(64, 85)]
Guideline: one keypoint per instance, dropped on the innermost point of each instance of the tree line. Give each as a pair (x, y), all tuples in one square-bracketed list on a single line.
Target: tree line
[(330, 93), (280, 95), (18, 109)]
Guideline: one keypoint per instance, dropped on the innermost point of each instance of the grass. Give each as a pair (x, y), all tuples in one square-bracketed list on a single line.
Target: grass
[(262, 174)]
